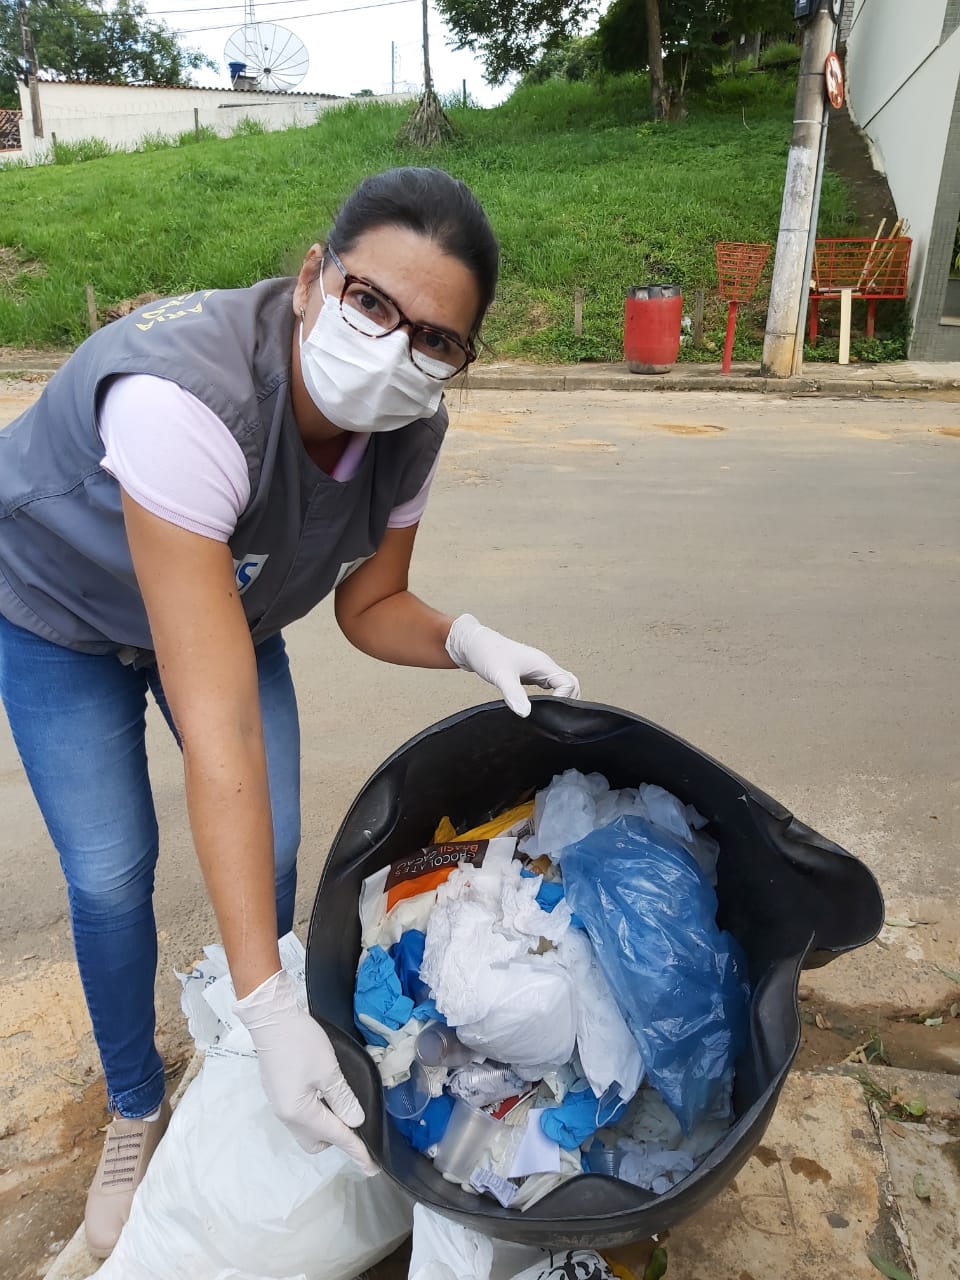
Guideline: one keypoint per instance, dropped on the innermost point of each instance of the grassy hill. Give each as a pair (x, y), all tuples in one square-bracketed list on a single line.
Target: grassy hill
[(582, 189)]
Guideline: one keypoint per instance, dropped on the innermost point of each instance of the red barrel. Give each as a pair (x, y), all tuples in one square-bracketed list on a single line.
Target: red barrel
[(651, 327)]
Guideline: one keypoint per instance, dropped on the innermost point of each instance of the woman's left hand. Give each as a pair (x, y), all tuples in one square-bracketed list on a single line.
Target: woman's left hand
[(507, 664)]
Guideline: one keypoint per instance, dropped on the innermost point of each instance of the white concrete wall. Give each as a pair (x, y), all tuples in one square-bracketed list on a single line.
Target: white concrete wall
[(901, 89), (123, 115)]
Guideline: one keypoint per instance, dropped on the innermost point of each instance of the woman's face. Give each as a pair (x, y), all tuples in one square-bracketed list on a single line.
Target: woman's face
[(429, 286)]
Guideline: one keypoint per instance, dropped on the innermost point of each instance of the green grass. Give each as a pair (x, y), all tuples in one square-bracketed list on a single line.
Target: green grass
[(581, 187)]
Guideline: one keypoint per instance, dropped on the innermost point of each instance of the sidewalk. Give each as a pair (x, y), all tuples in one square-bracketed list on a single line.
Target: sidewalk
[(835, 1184), (900, 378)]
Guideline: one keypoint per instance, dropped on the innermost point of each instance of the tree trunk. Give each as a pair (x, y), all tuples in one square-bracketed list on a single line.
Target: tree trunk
[(429, 125), (658, 90), (427, 78)]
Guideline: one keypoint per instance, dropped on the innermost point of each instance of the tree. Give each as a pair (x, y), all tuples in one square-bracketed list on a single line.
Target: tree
[(575, 59), (654, 42), (523, 35), (694, 36), (511, 35), (88, 40), (429, 125)]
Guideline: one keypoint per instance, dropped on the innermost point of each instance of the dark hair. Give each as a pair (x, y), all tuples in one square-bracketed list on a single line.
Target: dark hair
[(433, 204)]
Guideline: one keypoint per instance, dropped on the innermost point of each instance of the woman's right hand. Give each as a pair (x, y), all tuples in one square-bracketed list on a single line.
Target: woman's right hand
[(300, 1073)]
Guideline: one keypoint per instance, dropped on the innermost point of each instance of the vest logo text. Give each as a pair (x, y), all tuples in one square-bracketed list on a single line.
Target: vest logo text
[(247, 570)]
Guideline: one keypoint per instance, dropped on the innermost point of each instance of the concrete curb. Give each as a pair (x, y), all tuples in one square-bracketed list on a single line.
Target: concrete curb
[(852, 381), (75, 1261), (707, 379)]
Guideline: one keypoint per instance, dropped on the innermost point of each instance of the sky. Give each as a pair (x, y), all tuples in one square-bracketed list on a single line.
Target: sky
[(348, 51)]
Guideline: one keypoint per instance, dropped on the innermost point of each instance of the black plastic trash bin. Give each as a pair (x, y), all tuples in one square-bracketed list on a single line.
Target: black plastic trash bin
[(792, 898)]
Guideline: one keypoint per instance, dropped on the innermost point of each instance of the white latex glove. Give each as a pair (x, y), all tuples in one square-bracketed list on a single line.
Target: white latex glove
[(300, 1073), (506, 664)]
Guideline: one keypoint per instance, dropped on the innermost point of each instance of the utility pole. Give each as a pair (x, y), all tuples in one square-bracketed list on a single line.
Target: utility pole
[(798, 214), (30, 57), (393, 66)]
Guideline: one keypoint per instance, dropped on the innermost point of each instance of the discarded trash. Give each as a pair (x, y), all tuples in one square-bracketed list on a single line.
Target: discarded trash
[(438, 1046), (408, 1099), (608, 1052), (574, 805), (533, 991), (469, 1142)]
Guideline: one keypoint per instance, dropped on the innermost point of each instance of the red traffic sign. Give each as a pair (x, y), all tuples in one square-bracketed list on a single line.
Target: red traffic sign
[(833, 71)]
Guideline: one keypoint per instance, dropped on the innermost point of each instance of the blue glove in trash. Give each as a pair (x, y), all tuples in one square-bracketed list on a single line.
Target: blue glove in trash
[(407, 956), (428, 1127), (573, 1121), (549, 893), (379, 995), (427, 1011), (680, 982)]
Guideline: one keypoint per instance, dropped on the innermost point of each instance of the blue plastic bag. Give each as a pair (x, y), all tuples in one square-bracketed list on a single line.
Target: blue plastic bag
[(679, 980)]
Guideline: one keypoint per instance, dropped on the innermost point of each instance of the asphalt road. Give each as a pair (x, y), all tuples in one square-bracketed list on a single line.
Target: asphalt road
[(775, 580)]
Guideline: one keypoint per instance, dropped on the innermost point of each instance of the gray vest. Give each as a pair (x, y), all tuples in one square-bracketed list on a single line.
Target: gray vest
[(65, 567)]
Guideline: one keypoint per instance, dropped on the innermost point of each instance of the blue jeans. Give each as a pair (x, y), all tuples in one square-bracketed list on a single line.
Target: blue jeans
[(78, 723)]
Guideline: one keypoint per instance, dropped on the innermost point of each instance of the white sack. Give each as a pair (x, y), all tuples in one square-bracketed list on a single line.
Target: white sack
[(229, 1195), (444, 1250)]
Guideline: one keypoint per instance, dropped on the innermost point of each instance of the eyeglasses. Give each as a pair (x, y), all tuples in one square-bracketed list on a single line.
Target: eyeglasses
[(370, 311)]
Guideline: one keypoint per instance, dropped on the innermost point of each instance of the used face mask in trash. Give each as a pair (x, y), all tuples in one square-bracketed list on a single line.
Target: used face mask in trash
[(578, 1006)]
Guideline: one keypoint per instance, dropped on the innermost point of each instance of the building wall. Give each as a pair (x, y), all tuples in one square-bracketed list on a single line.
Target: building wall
[(124, 115), (903, 73)]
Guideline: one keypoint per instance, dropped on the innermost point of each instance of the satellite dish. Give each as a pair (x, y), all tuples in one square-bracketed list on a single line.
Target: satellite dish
[(273, 56)]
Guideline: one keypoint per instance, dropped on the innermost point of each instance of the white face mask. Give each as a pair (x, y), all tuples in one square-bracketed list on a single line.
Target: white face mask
[(362, 383)]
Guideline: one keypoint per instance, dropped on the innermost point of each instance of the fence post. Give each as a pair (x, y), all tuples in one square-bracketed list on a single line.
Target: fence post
[(196, 123), (93, 320), (698, 302)]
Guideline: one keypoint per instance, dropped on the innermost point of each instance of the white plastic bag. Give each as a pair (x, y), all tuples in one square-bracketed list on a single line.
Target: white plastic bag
[(444, 1250), (608, 1051), (229, 1195), (574, 804)]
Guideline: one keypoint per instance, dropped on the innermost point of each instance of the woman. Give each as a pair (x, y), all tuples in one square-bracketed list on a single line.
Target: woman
[(197, 476)]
